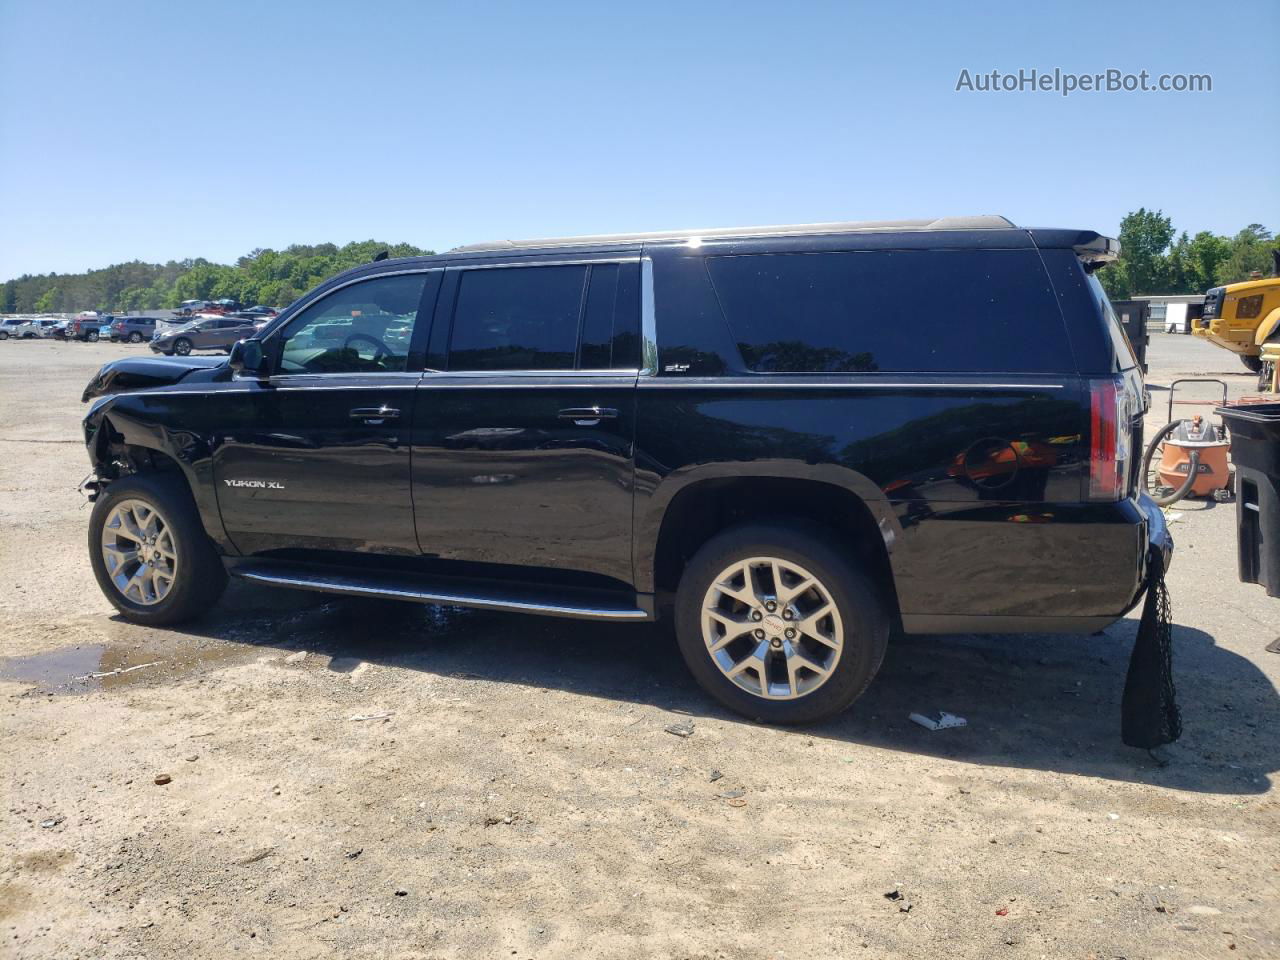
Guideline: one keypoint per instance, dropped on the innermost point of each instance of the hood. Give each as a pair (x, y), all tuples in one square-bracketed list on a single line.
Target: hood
[(143, 373)]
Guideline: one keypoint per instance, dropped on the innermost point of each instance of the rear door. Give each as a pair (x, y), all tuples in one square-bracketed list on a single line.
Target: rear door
[(523, 432)]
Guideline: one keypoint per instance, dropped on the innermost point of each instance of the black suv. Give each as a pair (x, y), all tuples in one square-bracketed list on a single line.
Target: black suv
[(786, 440)]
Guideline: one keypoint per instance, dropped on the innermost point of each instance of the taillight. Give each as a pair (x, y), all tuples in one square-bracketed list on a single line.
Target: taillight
[(1111, 412)]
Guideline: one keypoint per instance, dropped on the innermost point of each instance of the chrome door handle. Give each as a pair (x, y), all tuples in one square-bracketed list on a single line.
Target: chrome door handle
[(588, 416), (375, 415)]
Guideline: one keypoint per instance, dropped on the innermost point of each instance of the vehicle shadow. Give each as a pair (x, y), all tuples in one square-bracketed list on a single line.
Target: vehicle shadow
[(1031, 701)]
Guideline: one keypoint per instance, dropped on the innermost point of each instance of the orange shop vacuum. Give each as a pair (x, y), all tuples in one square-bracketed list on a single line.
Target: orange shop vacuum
[(1192, 457)]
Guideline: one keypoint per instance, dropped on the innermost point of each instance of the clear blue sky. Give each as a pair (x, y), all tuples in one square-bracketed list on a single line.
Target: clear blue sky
[(165, 130)]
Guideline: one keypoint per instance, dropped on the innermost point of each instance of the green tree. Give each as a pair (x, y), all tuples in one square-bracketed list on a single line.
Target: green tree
[(48, 301), (1250, 252), (1208, 253), (1144, 237)]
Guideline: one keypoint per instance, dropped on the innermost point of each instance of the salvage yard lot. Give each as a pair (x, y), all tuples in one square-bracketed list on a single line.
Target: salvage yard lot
[(382, 780)]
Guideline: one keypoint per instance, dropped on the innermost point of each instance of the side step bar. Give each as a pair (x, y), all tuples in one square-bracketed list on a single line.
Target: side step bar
[(449, 591)]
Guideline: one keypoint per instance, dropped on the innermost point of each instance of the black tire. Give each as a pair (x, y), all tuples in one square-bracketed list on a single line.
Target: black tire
[(856, 597), (1252, 364), (92, 336), (4, 334), (181, 347), (135, 337), (199, 578)]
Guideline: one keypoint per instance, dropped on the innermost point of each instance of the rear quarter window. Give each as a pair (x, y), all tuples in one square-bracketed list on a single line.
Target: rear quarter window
[(1125, 356), (931, 311)]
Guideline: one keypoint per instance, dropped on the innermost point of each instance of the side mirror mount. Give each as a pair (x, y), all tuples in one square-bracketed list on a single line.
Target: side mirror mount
[(248, 358)]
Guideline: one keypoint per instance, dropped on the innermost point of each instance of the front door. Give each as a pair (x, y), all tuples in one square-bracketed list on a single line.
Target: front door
[(315, 461), (524, 435)]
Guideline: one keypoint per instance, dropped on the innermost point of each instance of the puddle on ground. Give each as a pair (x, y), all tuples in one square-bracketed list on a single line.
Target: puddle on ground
[(104, 666), (341, 628)]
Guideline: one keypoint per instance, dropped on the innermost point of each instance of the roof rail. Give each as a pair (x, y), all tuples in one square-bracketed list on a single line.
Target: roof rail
[(792, 229)]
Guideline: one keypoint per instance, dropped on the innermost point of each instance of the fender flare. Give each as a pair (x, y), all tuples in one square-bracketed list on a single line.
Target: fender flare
[(649, 518)]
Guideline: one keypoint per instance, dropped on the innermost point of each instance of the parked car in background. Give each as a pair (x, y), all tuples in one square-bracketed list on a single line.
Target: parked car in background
[(104, 332), (133, 329), (9, 327), (86, 324), (37, 327), (189, 307), (258, 313), (204, 333)]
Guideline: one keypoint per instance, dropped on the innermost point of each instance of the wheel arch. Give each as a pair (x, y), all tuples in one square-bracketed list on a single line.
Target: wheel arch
[(121, 444), (1269, 327), (686, 511)]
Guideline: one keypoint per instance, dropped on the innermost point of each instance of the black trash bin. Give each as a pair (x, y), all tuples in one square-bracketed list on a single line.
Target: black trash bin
[(1134, 315), (1255, 450)]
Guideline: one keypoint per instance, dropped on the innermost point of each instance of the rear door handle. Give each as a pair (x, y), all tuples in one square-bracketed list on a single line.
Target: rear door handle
[(375, 415), (588, 416)]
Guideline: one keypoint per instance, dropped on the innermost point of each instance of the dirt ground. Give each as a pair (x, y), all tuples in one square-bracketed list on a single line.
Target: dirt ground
[(522, 797)]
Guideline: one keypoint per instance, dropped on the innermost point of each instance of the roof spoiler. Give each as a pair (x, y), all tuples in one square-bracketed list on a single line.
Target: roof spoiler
[(1093, 249)]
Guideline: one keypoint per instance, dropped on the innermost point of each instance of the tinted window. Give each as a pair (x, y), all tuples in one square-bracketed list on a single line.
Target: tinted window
[(611, 323), (363, 328), (517, 318), (893, 311), (1125, 357)]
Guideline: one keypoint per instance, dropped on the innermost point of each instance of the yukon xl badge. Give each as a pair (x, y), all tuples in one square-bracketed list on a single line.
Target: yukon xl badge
[(256, 484)]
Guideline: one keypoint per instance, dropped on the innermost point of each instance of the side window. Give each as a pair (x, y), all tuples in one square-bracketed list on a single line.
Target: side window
[(363, 328), (517, 318), (933, 311), (611, 322)]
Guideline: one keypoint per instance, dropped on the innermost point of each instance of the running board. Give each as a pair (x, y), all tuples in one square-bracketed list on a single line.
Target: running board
[(576, 603)]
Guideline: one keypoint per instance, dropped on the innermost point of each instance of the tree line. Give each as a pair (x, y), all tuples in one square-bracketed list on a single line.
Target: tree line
[(274, 278), (1154, 258)]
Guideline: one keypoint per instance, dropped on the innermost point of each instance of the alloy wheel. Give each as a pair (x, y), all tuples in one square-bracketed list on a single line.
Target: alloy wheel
[(139, 552), (772, 628)]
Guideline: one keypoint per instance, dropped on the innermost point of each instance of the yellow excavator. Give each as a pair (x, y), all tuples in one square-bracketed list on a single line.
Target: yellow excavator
[(1245, 319)]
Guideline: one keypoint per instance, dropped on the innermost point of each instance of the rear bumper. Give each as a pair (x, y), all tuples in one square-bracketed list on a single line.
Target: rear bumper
[(1055, 568)]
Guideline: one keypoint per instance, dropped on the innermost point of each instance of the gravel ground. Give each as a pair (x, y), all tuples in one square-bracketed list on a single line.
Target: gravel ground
[(515, 792)]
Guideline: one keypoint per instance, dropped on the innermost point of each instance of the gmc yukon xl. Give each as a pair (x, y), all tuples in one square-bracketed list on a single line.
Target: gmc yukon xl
[(786, 441)]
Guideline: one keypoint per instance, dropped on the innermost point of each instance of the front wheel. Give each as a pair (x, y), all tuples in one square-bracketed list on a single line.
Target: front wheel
[(778, 625), (4, 335), (1252, 364), (182, 346), (150, 553), (92, 336), (135, 337)]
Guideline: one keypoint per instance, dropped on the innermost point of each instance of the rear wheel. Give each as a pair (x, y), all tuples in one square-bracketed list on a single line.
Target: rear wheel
[(149, 551), (4, 334), (182, 346), (1252, 364), (778, 625)]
